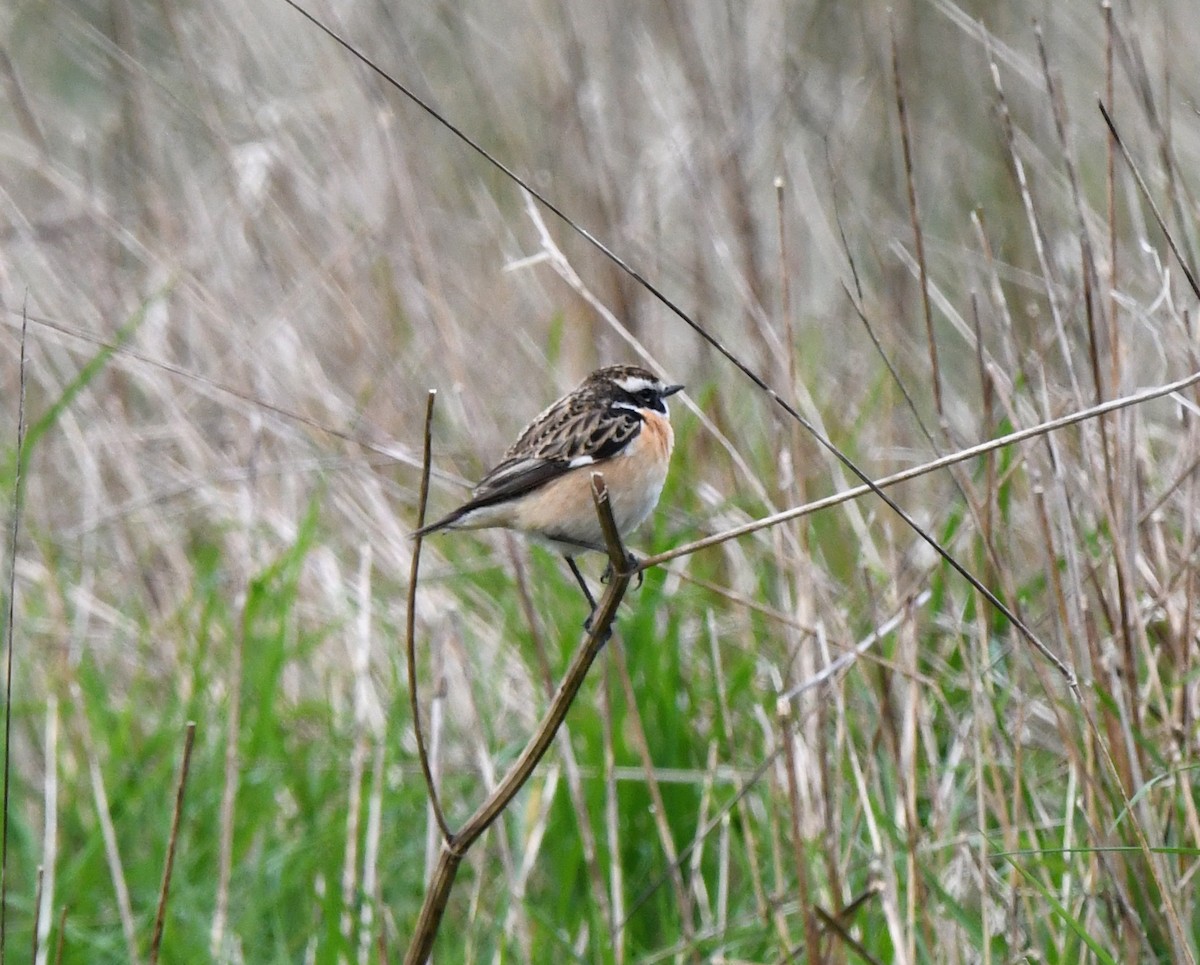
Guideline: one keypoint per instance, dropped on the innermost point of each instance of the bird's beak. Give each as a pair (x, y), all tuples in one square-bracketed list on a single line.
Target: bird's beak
[(671, 390)]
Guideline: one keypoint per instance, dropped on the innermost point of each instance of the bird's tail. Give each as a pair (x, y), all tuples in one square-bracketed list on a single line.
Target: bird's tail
[(446, 522)]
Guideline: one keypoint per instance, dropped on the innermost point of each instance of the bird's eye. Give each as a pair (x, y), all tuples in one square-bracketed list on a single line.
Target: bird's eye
[(647, 397)]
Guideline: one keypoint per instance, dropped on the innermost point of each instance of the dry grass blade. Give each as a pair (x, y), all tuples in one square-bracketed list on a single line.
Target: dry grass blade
[(1188, 271), (370, 877), (914, 214), (160, 917), (1110, 206), (836, 927), (14, 533), (45, 910), (812, 942), (229, 789), (37, 910), (1036, 230), (61, 944), (108, 831), (612, 823)]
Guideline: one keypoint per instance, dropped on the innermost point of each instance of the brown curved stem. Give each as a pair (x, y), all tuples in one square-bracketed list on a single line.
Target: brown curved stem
[(455, 847), (410, 626)]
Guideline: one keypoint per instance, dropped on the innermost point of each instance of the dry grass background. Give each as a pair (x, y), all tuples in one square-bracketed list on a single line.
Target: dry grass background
[(287, 255)]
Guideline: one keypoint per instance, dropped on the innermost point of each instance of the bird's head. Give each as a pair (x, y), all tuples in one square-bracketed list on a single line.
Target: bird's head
[(631, 387)]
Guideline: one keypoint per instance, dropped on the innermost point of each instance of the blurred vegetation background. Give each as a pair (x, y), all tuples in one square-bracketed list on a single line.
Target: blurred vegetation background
[(245, 260)]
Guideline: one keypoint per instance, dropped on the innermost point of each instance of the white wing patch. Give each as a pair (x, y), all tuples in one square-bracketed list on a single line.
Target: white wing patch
[(581, 461)]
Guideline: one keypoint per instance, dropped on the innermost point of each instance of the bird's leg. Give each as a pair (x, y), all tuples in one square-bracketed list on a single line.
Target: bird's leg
[(631, 563), (583, 586)]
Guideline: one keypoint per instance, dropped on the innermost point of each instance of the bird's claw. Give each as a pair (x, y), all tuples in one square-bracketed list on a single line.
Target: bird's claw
[(587, 627), (631, 563)]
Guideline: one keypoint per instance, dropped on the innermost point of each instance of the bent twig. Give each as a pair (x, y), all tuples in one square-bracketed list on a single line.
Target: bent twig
[(456, 845)]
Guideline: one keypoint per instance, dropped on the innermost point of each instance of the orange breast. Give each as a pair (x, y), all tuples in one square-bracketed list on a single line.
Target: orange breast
[(634, 478), (659, 435)]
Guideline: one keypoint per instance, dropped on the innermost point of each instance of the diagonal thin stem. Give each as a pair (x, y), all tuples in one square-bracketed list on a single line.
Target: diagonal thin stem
[(1141, 182), (1021, 435), (410, 647), (161, 916)]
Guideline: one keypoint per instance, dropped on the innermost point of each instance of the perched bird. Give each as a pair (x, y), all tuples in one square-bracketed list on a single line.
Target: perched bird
[(615, 423)]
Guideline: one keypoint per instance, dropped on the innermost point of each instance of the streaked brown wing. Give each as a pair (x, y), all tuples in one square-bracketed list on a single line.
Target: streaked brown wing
[(564, 437)]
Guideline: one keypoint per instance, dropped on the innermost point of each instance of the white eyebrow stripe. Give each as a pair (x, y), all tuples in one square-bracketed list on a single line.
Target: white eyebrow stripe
[(635, 383)]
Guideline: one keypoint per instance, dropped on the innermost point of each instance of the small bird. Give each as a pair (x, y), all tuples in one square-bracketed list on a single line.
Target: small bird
[(615, 423)]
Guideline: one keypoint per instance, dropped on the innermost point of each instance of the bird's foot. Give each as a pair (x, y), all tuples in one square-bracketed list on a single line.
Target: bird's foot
[(587, 626), (631, 563)]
